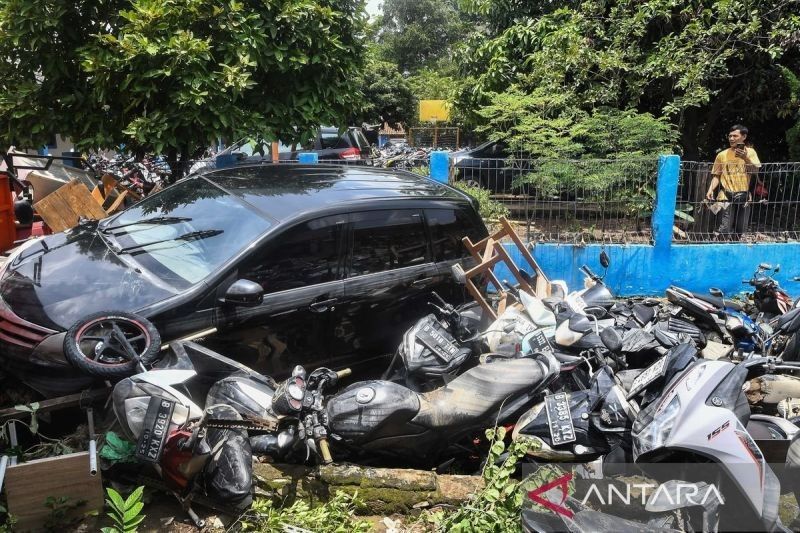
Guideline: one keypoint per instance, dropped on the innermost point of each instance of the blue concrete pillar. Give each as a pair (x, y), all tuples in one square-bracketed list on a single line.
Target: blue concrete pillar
[(308, 158), (226, 160), (669, 169), (440, 166)]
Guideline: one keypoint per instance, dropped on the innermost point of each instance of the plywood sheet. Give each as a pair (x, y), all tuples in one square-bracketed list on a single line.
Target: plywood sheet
[(62, 209), (28, 485)]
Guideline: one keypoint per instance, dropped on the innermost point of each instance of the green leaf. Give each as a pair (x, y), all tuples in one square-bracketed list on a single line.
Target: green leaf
[(134, 497), (115, 500)]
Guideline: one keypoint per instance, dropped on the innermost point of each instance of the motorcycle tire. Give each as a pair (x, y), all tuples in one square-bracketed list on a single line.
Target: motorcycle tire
[(109, 344)]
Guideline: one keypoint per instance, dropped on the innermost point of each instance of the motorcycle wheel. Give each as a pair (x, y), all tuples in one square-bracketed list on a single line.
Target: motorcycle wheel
[(110, 344)]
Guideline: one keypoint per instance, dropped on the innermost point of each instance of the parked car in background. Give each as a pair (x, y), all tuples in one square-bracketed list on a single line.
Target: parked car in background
[(487, 165), (293, 264)]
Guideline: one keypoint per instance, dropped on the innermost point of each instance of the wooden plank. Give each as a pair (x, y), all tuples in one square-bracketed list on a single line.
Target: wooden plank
[(51, 214), (28, 485), (82, 202), (54, 404), (62, 209)]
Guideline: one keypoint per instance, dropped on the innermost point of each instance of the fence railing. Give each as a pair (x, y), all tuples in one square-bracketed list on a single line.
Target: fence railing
[(435, 137), (767, 211), (571, 201)]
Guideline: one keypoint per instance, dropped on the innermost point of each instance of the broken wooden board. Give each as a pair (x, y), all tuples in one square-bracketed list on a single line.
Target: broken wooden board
[(29, 485), (63, 209)]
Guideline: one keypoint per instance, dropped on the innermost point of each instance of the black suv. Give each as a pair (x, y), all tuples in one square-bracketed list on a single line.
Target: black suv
[(344, 259)]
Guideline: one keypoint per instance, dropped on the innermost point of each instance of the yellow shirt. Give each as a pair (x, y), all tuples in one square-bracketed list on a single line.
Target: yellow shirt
[(731, 169)]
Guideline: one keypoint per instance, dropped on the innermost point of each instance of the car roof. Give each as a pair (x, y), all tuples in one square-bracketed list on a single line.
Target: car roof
[(284, 191)]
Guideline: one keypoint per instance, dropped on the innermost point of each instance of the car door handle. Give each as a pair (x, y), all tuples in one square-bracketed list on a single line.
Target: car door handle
[(422, 282), (320, 306)]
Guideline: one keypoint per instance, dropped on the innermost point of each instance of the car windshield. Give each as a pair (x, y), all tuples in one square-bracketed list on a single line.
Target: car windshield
[(162, 221)]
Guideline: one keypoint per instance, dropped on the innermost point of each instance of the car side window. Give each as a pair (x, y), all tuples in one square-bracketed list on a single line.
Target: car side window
[(386, 240), (447, 227), (306, 254)]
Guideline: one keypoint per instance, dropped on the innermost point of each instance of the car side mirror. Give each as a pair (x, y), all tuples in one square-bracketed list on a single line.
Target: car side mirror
[(243, 293), (458, 274), (713, 291), (605, 261), (611, 339)]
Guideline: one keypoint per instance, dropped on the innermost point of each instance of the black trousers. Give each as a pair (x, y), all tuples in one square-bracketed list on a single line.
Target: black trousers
[(736, 216)]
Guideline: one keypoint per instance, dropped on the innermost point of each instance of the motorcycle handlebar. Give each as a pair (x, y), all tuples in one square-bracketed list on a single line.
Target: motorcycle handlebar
[(343, 373), (588, 271)]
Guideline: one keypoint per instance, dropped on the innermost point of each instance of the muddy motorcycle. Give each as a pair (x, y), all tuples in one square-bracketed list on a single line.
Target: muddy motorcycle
[(596, 422), (703, 416)]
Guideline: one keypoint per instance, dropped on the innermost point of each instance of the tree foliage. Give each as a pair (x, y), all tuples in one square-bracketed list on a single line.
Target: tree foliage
[(174, 75), (701, 64), (387, 95), (420, 33)]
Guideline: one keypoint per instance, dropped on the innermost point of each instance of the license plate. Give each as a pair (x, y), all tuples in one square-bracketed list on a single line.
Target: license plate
[(437, 343), (156, 428), (559, 419), (649, 375), (538, 343)]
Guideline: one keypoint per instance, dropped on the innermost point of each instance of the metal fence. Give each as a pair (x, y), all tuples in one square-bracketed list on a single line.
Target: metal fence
[(767, 212), (570, 201), (435, 137)]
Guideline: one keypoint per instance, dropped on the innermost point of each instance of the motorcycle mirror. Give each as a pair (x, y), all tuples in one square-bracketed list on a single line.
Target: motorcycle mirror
[(765, 266), (713, 291), (604, 259), (299, 372), (777, 269), (458, 274), (611, 339)]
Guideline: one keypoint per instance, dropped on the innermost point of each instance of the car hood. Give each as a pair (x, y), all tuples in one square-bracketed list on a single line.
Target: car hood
[(70, 275)]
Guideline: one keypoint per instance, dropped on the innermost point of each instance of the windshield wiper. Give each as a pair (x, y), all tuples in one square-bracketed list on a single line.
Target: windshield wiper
[(153, 220), (192, 236)]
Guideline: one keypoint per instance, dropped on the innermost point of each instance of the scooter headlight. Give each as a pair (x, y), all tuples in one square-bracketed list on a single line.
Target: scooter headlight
[(652, 427)]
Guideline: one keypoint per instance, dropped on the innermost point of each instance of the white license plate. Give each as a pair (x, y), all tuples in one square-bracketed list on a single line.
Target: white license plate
[(562, 431), (649, 375)]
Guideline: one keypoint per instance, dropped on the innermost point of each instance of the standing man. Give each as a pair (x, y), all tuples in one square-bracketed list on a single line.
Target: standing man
[(731, 170)]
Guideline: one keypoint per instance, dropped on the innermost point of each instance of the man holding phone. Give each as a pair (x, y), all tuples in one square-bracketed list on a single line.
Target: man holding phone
[(731, 171)]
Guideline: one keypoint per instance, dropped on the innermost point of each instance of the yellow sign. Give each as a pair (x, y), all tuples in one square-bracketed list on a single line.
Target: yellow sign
[(433, 111)]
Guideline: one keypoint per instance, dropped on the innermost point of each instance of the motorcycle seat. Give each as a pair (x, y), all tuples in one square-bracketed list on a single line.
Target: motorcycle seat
[(718, 302), (477, 394)]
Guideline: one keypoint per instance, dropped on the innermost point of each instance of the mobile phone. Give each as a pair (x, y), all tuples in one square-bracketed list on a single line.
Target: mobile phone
[(740, 146)]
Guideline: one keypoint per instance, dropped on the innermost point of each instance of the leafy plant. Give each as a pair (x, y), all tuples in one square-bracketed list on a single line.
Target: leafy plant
[(117, 449), (489, 208), (60, 508), (497, 507), (126, 514), (335, 516)]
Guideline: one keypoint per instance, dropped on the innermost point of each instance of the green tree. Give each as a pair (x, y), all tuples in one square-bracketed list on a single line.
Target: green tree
[(171, 76), (702, 64), (386, 95), (420, 33)]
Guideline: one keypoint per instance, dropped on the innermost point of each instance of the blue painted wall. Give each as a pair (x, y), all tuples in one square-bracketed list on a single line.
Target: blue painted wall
[(644, 270)]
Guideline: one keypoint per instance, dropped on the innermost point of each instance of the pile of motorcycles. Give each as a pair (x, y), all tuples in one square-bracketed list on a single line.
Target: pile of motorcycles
[(583, 376)]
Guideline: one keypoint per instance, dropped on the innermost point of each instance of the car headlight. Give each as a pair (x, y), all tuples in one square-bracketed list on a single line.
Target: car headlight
[(652, 427)]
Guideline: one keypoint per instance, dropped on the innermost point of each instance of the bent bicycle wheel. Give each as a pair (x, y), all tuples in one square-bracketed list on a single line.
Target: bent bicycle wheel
[(110, 344)]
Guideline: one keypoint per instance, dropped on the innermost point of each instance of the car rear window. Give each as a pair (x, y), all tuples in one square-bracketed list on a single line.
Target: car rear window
[(330, 139), (387, 240)]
